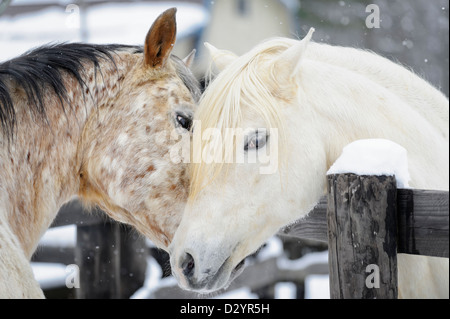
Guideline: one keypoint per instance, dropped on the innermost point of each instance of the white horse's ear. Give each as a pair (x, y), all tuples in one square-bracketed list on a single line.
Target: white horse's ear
[(190, 59), (291, 59), (221, 58)]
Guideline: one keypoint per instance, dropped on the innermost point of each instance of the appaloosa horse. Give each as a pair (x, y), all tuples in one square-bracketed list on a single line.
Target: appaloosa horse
[(97, 121)]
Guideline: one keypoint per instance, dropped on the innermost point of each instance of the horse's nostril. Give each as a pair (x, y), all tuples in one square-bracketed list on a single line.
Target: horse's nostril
[(188, 265), (240, 265)]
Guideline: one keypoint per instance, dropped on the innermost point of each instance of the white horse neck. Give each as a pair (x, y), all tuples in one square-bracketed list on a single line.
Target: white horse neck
[(361, 95), (431, 103)]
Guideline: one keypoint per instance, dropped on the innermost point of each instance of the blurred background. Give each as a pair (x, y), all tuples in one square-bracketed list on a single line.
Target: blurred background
[(411, 32)]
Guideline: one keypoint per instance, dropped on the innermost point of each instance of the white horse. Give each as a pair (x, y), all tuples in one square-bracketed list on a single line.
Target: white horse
[(320, 98)]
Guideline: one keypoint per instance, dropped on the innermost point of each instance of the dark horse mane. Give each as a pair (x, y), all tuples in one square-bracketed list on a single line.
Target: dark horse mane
[(41, 69), (44, 67)]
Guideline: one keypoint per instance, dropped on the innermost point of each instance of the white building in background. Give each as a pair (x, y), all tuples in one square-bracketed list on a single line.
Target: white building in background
[(238, 25)]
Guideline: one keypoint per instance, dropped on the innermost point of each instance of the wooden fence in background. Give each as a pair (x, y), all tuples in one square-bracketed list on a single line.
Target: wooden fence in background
[(365, 220), (111, 257)]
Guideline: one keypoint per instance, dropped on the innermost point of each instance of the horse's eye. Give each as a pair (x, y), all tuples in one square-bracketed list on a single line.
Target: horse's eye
[(184, 122), (256, 141)]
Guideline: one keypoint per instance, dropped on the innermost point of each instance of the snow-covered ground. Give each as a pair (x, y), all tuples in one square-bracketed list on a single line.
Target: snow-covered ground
[(125, 23), (49, 275)]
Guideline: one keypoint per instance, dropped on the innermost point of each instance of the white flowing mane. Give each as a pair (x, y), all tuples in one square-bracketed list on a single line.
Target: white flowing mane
[(221, 105), (243, 84)]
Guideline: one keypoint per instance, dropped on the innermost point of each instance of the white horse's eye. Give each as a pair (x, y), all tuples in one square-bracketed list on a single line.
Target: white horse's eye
[(256, 141)]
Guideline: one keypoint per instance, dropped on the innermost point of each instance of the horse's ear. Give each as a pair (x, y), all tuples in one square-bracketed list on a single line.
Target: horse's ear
[(160, 39), (190, 59), (221, 58), (291, 59)]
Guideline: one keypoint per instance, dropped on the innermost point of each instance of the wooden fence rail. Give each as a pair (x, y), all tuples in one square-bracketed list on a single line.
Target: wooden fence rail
[(422, 220), (366, 222)]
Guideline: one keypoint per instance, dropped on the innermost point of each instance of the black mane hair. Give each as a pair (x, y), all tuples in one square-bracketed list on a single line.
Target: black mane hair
[(189, 80), (43, 68)]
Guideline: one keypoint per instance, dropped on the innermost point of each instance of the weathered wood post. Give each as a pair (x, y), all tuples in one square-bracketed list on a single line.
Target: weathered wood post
[(112, 259), (97, 255), (362, 230)]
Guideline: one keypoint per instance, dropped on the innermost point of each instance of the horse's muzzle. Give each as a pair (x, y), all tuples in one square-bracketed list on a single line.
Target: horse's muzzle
[(192, 276)]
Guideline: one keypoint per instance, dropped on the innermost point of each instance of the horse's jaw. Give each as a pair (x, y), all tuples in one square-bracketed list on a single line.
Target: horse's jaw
[(208, 252)]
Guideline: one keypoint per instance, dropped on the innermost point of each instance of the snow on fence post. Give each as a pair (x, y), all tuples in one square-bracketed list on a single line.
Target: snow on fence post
[(362, 231)]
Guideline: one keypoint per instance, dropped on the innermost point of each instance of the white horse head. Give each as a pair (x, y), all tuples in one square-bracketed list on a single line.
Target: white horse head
[(297, 104)]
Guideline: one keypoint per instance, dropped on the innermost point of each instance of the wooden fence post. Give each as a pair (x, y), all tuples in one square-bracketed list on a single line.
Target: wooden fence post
[(362, 230), (97, 254), (112, 261)]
